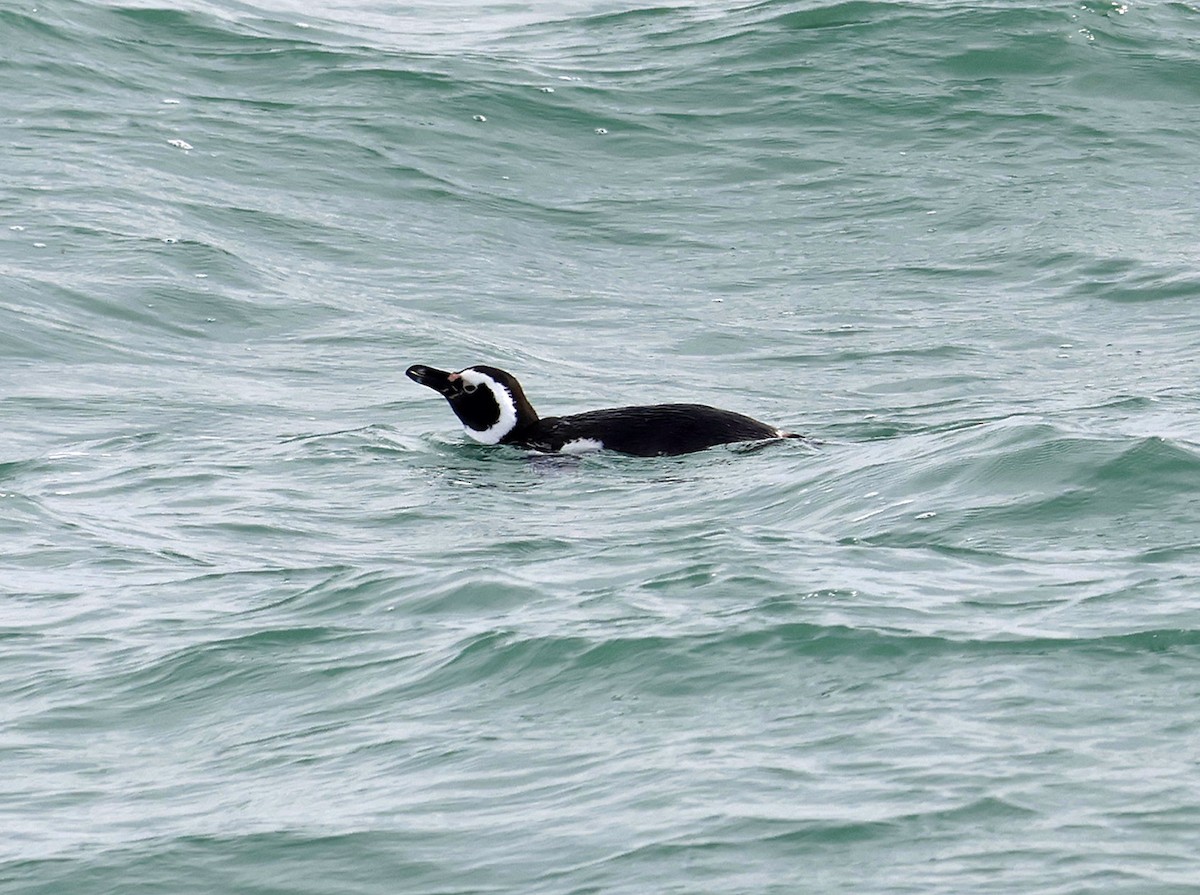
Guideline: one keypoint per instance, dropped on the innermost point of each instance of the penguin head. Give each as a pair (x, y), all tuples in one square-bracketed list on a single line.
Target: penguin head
[(488, 402)]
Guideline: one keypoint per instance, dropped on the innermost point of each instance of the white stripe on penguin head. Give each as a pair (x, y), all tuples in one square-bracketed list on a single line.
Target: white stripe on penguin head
[(508, 407)]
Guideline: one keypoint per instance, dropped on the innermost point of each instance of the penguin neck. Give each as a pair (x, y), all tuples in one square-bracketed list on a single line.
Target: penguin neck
[(527, 420)]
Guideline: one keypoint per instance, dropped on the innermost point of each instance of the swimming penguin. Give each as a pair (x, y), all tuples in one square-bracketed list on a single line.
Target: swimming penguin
[(494, 410)]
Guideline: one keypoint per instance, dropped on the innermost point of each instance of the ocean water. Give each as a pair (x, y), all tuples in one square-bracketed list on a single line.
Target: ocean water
[(270, 623)]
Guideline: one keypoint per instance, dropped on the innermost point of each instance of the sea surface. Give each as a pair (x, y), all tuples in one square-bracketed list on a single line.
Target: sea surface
[(271, 623)]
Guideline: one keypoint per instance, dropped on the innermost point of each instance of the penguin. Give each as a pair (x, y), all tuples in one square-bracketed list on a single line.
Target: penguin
[(493, 409)]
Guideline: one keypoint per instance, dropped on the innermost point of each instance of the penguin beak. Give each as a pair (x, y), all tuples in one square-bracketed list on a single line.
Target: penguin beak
[(438, 380)]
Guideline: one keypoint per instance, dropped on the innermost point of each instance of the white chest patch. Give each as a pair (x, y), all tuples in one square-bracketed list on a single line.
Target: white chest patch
[(504, 402), (581, 446)]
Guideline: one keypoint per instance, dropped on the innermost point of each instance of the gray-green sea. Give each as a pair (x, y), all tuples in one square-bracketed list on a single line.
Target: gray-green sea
[(271, 623)]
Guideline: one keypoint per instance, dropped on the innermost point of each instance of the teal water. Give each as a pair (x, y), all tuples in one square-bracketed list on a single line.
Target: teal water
[(270, 623)]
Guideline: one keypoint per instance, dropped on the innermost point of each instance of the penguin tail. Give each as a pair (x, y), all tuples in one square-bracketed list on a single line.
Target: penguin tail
[(805, 438)]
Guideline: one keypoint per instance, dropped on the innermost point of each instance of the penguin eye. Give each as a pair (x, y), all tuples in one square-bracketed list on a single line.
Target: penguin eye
[(470, 389)]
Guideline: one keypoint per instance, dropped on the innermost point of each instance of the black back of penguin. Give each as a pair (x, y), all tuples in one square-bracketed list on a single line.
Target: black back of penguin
[(493, 409), (648, 431)]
